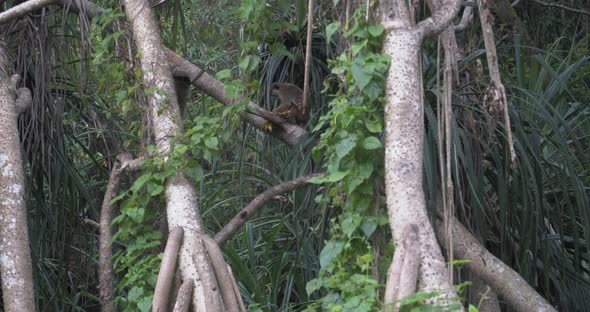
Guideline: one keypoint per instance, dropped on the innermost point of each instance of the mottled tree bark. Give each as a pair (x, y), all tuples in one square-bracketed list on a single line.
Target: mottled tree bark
[(404, 131), (164, 113), (105, 251), (15, 255)]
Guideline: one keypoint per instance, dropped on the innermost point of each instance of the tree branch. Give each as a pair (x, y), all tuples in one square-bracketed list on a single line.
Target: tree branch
[(440, 19), (24, 9), (224, 280), (495, 97), (466, 19), (236, 290), (181, 67), (212, 301), (506, 282), (92, 223), (167, 269), (561, 6), (306, 73), (236, 222), (105, 252)]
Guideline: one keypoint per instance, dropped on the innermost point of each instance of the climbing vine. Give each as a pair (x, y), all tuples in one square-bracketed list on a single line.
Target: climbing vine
[(138, 239), (353, 151)]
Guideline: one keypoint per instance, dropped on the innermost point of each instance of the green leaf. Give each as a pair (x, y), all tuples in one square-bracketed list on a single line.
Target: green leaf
[(232, 91), (374, 126), (145, 304), (369, 226), (195, 172), (314, 285), (331, 29), (135, 293), (223, 74), (350, 224), (136, 213), (156, 190), (360, 76), (211, 143), (371, 143), (358, 46), (345, 146), (376, 30), (365, 170), (336, 176), (245, 63), (373, 90), (330, 251), (118, 197), (138, 184), (249, 63), (316, 180)]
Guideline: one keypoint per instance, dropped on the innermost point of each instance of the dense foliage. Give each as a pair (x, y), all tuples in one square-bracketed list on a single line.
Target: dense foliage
[(325, 246)]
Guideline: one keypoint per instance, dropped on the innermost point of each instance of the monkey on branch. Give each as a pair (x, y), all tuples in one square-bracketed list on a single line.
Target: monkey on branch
[(291, 106)]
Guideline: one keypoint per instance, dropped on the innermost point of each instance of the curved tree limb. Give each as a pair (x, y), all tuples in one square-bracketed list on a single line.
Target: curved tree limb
[(183, 300), (481, 295), (105, 252), (440, 19), (506, 282), (236, 290), (224, 280), (167, 269), (236, 222), (24, 9), (288, 133), (466, 19), (92, 223), (212, 301)]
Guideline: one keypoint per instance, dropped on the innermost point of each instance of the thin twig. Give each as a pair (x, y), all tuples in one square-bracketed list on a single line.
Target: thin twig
[(92, 223), (307, 57), (563, 7)]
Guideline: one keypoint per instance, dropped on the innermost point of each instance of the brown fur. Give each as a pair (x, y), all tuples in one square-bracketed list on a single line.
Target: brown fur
[(291, 102)]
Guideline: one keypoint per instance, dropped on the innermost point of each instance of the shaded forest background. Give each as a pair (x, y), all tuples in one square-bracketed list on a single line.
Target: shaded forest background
[(87, 109)]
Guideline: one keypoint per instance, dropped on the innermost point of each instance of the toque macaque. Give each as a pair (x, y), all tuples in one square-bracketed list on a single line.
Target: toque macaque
[(291, 103)]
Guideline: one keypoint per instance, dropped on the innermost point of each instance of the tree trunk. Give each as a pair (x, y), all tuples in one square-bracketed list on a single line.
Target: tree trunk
[(15, 256), (404, 131), (180, 193)]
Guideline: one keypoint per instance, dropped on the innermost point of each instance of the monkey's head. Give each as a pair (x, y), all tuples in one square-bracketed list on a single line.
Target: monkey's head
[(284, 88), (275, 89)]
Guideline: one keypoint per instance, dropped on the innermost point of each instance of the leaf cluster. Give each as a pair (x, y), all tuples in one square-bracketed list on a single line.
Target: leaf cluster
[(353, 151)]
